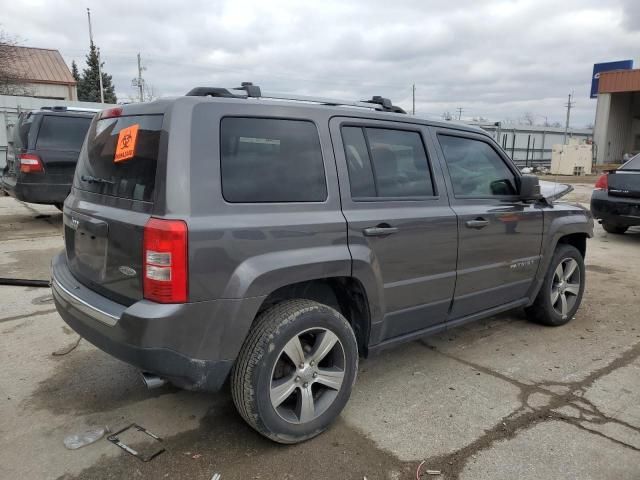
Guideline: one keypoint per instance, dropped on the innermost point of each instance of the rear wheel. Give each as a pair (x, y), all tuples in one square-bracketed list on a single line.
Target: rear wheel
[(295, 371), (561, 293), (613, 228)]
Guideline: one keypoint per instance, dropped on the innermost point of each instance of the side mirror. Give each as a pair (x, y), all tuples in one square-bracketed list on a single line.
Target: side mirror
[(529, 188)]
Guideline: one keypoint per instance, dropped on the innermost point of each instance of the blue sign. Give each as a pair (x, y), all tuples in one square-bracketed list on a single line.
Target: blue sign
[(598, 68)]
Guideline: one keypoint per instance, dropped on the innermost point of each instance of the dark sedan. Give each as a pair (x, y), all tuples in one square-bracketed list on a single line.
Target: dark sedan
[(616, 198)]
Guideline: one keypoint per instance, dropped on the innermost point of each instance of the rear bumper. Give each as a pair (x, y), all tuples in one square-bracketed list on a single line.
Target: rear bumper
[(192, 345), (47, 193), (616, 210)]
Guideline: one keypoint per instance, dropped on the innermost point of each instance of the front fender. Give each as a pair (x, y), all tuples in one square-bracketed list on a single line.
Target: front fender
[(558, 223)]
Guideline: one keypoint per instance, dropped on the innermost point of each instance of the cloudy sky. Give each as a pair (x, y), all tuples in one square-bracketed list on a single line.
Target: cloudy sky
[(495, 59)]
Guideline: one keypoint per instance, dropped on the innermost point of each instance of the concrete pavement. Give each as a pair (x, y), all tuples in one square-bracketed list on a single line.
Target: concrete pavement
[(498, 399)]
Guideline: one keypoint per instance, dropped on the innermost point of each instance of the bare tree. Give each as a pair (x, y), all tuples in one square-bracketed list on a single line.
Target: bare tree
[(12, 76), (528, 119)]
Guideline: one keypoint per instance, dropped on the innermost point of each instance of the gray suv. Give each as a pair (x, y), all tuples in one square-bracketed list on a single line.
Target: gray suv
[(272, 240)]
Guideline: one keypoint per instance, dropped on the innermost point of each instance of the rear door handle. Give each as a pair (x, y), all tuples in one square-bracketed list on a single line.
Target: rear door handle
[(477, 223), (379, 231)]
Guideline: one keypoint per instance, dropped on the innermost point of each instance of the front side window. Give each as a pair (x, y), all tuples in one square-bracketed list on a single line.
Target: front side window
[(386, 163), (475, 168), (271, 160)]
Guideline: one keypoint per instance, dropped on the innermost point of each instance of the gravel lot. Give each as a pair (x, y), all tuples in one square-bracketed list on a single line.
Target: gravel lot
[(498, 399)]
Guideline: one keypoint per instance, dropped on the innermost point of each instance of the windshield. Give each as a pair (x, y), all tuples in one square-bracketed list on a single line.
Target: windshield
[(633, 164)]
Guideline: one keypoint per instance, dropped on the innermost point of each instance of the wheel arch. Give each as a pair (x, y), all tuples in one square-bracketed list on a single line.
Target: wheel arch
[(566, 230), (344, 293)]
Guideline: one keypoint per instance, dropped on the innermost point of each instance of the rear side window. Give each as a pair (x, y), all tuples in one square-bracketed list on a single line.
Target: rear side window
[(21, 131), (271, 160), (62, 133), (133, 178), (386, 163)]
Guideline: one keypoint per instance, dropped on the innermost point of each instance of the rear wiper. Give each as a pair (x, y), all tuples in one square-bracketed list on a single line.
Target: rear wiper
[(92, 179)]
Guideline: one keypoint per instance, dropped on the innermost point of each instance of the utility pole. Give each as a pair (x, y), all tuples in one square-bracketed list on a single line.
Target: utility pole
[(460, 110), (140, 80), (98, 54), (566, 125), (414, 99)]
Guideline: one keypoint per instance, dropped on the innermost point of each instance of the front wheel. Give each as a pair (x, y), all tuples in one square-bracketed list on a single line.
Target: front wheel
[(562, 289), (295, 371)]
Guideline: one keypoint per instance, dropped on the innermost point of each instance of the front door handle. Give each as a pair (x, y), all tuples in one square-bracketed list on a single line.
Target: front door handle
[(379, 231), (477, 223)]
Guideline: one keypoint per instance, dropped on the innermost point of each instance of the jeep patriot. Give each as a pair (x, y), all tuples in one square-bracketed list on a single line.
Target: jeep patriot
[(273, 240)]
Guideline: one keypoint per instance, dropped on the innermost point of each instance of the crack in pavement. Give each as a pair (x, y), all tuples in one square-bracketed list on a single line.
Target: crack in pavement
[(526, 416), (27, 315)]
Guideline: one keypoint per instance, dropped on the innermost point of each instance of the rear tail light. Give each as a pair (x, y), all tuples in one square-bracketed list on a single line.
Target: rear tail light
[(603, 182), (165, 260), (30, 163)]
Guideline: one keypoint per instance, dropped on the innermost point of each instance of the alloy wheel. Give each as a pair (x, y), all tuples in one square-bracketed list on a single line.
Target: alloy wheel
[(565, 286), (307, 376)]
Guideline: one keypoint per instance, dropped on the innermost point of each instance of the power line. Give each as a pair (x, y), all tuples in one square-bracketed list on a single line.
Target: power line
[(569, 104), (139, 81), (98, 55), (413, 91)]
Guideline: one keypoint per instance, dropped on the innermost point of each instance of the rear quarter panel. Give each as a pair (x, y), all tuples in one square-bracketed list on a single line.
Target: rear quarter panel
[(241, 250)]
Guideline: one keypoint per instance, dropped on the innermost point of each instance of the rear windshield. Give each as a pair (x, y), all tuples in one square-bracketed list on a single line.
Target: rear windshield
[(59, 132), (121, 165), (633, 164)]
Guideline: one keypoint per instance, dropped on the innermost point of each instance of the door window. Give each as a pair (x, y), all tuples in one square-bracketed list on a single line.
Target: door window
[(386, 163), (475, 168)]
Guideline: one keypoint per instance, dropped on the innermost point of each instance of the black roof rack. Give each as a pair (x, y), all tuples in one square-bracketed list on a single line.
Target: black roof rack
[(249, 90)]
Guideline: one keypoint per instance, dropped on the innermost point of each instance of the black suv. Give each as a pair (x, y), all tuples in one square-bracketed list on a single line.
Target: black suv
[(274, 239), (43, 152)]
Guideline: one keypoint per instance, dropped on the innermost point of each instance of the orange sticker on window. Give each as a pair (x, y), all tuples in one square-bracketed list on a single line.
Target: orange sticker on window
[(126, 147)]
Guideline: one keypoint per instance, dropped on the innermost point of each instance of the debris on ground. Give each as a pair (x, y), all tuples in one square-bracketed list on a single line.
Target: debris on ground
[(115, 439), (427, 472), (67, 349), (78, 440), (217, 476)]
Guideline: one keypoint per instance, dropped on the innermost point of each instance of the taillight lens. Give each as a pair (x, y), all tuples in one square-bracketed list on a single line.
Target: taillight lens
[(110, 113), (30, 163), (165, 261), (603, 182)]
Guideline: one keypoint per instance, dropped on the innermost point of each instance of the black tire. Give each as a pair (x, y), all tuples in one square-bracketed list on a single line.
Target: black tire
[(542, 310), (251, 377), (613, 228)]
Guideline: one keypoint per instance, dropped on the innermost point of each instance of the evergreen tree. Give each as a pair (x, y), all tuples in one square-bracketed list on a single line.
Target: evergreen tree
[(74, 71), (89, 84)]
